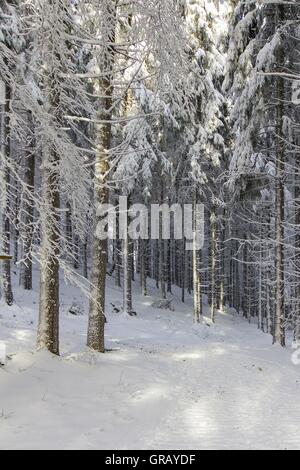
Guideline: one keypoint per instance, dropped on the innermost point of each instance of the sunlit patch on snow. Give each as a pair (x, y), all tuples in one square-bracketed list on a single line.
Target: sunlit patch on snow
[(188, 355), (147, 304), (22, 335), (220, 351), (151, 393)]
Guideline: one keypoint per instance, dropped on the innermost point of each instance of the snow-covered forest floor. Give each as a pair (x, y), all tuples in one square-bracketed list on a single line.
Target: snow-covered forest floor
[(165, 383)]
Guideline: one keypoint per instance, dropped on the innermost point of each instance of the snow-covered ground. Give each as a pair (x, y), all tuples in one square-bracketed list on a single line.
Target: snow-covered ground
[(164, 384)]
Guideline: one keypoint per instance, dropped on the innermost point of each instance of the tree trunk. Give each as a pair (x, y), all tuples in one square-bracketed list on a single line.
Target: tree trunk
[(26, 268), (222, 269), (279, 330), (6, 225), (127, 268), (48, 330), (143, 272), (246, 298), (169, 267), (213, 264), (117, 251), (196, 270), (85, 259), (95, 340)]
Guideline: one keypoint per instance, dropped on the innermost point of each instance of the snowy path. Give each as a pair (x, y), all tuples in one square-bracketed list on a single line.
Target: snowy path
[(235, 404), (166, 384)]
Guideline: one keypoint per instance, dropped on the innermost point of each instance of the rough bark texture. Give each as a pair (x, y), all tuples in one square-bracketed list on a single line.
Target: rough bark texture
[(6, 225), (213, 264), (279, 327), (197, 273), (95, 340), (127, 268), (143, 273), (117, 252), (48, 330), (26, 269)]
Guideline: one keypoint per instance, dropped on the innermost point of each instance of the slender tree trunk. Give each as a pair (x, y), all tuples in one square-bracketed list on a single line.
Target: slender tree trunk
[(85, 259), (69, 227), (169, 267), (190, 272), (95, 340), (143, 272), (6, 225), (279, 330), (213, 264), (237, 274), (118, 249), (16, 231), (245, 281), (260, 281), (196, 270), (222, 270), (132, 259), (162, 250), (231, 277), (297, 256), (156, 262), (183, 264), (269, 278), (26, 268), (127, 268), (48, 330)]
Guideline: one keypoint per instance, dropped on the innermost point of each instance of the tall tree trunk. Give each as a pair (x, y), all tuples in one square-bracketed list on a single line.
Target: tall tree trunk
[(156, 256), (143, 272), (279, 330), (48, 329), (196, 268), (85, 259), (132, 259), (246, 298), (162, 249), (76, 252), (117, 251), (213, 264), (16, 222), (190, 272), (69, 228), (127, 268), (269, 288), (184, 266), (169, 267), (6, 225), (26, 268), (260, 280), (222, 269), (95, 340), (297, 256)]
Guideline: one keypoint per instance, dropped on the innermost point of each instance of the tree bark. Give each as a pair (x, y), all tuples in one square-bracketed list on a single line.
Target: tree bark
[(127, 268), (213, 264), (6, 223), (279, 327), (196, 270), (26, 268), (48, 328), (95, 340)]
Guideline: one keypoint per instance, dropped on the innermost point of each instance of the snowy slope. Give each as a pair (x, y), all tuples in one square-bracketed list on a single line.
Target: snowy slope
[(164, 384)]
